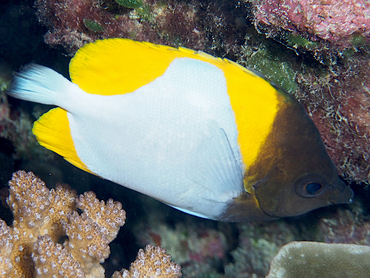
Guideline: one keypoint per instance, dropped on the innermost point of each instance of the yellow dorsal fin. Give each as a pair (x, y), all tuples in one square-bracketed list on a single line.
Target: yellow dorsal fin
[(52, 131), (119, 66)]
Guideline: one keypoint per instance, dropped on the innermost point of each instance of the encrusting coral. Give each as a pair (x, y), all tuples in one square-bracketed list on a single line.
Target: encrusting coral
[(30, 248), (316, 259)]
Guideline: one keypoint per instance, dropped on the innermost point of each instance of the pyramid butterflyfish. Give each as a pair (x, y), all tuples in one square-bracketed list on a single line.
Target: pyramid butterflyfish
[(201, 134)]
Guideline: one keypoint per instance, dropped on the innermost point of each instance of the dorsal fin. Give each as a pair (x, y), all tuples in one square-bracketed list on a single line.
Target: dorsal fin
[(119, 66)]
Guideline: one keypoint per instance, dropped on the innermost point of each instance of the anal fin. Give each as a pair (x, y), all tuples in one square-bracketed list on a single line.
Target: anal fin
[(52, 131)]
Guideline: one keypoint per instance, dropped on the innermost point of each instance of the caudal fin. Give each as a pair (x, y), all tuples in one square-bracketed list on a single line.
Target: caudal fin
[(39, 84), (43, 85)]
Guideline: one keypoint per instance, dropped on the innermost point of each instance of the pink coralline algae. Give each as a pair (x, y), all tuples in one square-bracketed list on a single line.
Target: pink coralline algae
[(199, 25), (339, 104), (331, 20)]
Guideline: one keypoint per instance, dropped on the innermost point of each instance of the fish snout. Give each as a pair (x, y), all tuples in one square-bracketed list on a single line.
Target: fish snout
[(344, 194)]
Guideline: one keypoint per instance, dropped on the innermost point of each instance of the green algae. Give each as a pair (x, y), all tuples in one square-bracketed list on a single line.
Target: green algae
[(93, 25), (145, 13), (4, 84), (274, 69), (296, 41), (5, 76), (358, 40), (131, 4)]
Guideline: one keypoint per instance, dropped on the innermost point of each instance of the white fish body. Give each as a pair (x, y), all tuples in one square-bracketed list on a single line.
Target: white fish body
[(171, 139)]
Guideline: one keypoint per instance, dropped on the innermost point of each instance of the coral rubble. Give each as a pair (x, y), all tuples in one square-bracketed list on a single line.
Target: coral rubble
[(196, 244), (345, 226), (315, 259), (42, 218), (258, 244)]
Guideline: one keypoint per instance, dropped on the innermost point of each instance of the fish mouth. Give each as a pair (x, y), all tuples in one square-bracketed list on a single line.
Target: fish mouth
[(344, 196)]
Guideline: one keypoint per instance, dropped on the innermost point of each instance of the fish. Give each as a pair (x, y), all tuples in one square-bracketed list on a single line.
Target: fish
[(198, 133)]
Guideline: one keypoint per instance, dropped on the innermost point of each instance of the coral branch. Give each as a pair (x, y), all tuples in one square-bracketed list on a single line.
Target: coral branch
[(154, 262), (30, 247)]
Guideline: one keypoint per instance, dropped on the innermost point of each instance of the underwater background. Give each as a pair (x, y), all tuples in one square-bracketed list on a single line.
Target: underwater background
[(316, 50)]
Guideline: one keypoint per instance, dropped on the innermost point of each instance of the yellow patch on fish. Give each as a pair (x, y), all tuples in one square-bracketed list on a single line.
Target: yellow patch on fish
[(142, 63)]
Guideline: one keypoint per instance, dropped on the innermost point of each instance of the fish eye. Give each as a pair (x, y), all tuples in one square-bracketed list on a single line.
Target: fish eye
[(310, 187), (313, 187)]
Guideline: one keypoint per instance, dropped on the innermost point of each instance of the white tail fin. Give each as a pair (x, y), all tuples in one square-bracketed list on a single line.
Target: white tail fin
[(39, 84)]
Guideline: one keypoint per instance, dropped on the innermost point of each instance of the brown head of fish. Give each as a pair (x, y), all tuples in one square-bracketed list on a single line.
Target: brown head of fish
[(293, 173)]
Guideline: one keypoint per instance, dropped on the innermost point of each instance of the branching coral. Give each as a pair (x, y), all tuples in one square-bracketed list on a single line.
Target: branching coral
[(154, 262), (52, 259), (30, 248), (37, 211)]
